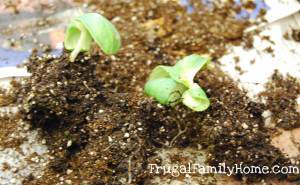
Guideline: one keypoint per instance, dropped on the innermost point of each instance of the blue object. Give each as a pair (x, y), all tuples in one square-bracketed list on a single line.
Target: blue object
[(10, 58)]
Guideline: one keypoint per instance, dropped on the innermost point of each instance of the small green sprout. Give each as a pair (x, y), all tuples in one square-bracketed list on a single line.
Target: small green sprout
[(171, 85), (88, 27)]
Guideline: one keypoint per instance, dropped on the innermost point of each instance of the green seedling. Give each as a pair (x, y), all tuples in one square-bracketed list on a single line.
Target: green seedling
[(91, 27), (170, 85)]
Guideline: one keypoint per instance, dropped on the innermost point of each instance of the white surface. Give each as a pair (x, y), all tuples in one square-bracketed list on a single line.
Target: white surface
[(286, 57), (13, 72), (281, 8)]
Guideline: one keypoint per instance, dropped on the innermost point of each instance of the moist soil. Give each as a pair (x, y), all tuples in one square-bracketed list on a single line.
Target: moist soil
[(99, 126), (99, 136)]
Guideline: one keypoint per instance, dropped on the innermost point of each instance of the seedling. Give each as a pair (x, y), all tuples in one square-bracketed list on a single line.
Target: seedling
[(170, 85), (88, 27)]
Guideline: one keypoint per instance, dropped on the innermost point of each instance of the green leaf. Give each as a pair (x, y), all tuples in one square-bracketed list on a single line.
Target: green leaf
[(185, 70), (170, 85), (169, 93), (195, 98), (160, 72), (73, 34), (88, 27), (102, 31)]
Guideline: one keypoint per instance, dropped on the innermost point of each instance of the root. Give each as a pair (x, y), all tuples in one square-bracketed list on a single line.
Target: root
[(180, 132)]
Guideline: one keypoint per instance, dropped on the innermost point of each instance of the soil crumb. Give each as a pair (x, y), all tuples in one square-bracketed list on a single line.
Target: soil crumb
[(8, 137), (294, 35), (281, 99), (9, 96)]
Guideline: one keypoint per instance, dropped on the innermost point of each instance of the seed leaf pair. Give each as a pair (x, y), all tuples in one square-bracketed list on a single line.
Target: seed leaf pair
[(88, 27), (171, 85)]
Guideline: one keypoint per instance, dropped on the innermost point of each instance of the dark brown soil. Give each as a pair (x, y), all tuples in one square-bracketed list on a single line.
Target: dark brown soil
[(9, 125), (10, 122), (60, 92), (79, 116), (4, 98), (293, 34), (281, 96), (296, 35), (80, 135), (99, 126), (125, 129), (9, 97), (233, 128)]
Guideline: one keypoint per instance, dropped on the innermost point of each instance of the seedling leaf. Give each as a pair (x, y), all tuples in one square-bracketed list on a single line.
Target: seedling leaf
[(88, 27), (170, 85)]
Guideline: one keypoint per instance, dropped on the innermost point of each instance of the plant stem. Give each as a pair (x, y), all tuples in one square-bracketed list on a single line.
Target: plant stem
[(80, 43)]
